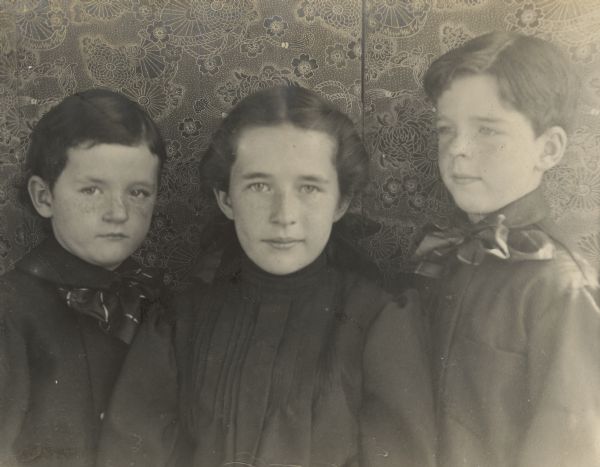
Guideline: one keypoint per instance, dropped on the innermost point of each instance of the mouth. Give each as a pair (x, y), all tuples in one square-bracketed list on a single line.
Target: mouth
[(463, 179), (283, 243), (114, 236)]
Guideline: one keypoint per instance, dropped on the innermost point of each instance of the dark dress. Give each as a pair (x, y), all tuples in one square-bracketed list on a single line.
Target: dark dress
[(317, 368), (57, 366), (517, 356)]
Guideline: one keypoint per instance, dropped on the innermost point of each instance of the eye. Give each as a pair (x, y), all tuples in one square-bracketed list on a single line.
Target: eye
[(487, 131), (140, 193), (258, 187), (90, 190), (444, 130), (309, 189)]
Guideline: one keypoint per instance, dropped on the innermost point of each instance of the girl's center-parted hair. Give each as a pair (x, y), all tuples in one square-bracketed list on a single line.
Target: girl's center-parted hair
[(297, 106), (534, 77), (89, 118)]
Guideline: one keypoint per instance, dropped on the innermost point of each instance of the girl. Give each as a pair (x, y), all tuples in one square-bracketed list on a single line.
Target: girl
[(285, 359)]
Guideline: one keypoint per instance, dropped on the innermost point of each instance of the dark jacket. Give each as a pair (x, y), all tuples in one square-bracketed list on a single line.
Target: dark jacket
[(57, 366), (316, 368), (517, 357)]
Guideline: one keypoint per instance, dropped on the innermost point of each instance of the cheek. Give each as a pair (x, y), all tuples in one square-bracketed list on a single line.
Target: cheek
[(73, 210)]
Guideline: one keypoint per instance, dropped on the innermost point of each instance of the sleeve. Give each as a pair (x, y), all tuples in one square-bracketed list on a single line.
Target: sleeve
[(564, 380), (14, 380), (140, 426), (397, 418)]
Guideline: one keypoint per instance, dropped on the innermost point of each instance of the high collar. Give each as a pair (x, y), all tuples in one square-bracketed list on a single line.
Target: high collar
[(526, 211), (51, 262), (272, 284)]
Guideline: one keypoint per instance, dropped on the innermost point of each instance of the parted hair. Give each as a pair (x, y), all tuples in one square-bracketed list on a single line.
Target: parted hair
[(88, 118), (533, 75), (297, 106)]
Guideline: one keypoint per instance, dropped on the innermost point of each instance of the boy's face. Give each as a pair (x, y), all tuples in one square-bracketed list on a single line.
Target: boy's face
[(283, 196), (102, 202), (489, 155)]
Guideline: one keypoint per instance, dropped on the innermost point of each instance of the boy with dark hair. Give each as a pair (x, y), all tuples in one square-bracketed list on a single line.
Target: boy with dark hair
[(515, 329), (72, 305)]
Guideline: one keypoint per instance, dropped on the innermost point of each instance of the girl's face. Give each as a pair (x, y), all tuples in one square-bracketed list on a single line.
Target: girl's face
[(283, 196)]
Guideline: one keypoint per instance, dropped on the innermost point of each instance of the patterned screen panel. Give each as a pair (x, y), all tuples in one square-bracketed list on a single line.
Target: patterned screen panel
[(188, 61)]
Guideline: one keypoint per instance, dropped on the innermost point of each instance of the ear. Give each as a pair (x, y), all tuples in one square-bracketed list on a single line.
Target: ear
[(342, 208), (554, 144), (41, 196), (224, 202)]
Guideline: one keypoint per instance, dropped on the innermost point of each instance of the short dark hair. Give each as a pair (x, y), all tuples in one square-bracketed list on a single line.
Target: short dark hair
[(533, 75), (297, 106), (95, 116)]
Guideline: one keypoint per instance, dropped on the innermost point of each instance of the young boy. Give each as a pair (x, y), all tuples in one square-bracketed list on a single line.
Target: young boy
[(71, 306), (286, 358), (515, 330)]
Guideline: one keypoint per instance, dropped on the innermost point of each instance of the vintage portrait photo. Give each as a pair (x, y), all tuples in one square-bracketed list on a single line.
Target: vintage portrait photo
[(299, 233)]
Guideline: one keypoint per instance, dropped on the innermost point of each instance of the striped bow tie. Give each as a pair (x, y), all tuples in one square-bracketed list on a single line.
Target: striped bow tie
[(472, 243), (119, 307)]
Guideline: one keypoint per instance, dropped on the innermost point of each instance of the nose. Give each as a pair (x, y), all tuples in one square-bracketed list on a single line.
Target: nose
[(459, 145), (117, 210), (284, 209)]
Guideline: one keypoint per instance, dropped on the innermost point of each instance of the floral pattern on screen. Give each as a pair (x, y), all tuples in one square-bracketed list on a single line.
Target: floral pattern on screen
[(187, 62)]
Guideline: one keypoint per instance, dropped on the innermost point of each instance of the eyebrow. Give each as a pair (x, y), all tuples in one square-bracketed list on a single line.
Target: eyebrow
[(475, 118), (99, 181), (488, 119), (253, 175), (314, 179), (305, 178)]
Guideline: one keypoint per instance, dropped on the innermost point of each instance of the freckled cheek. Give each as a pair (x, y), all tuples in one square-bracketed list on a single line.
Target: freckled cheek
[(78, 208), (142, 210)]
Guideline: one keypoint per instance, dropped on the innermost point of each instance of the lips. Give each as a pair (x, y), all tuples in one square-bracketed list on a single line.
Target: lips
[(114, 236), (283, 243), (464, 179)]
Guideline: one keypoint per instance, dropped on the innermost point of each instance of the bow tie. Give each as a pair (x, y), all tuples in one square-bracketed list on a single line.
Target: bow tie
[(472, 243), (119, 306)]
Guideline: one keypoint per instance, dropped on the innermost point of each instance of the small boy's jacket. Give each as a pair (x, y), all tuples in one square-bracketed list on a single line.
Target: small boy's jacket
[(515, 332), (58, 360)]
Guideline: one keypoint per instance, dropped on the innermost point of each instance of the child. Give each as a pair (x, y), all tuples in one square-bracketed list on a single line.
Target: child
[(515, 330), (70, 307), (284, 359)]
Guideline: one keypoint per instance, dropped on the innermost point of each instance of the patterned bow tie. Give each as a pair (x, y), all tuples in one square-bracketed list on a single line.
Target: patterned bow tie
[(474, 242), (118, 307)]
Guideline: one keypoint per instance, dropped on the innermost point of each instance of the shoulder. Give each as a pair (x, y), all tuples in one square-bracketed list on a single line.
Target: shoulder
[(184, 303), (558, 275), (367, 301), (18, 288)]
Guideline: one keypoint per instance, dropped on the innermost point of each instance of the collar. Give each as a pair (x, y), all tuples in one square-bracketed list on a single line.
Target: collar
[(528, 210), (51, 262), (513, 233)]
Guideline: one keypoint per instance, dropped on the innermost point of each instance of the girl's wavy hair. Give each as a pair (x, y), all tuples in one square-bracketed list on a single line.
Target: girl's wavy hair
[(297, 106), (533, 75)]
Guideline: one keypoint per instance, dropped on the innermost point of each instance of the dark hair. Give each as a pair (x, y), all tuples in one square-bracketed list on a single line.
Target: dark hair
[(299, 107), (533, 76), (95, 116)]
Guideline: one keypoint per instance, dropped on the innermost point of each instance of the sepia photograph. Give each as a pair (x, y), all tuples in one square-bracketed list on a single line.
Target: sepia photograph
[(299, 233)]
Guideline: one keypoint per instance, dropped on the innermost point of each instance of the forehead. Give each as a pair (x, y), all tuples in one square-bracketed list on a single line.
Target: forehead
[(284, 148), (477, 94), (111, 162)]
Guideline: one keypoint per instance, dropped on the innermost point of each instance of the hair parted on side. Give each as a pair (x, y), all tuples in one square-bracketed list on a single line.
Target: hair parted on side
[(533, 75), (88, 118), (297, 106)]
